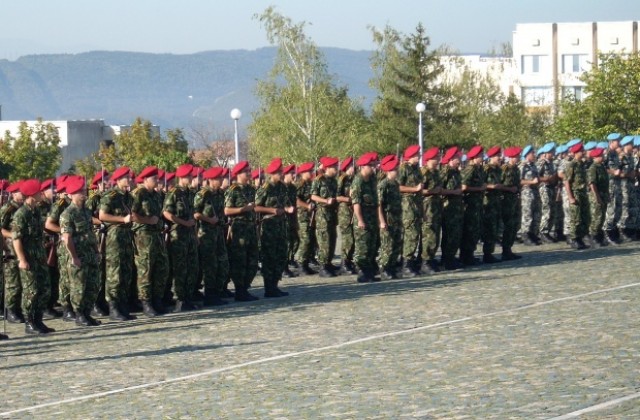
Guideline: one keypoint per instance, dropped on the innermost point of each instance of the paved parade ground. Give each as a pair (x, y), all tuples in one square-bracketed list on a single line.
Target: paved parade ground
[(556, 334)]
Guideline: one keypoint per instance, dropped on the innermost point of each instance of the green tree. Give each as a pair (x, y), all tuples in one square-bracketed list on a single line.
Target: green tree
[(34, 153), (303, 114)]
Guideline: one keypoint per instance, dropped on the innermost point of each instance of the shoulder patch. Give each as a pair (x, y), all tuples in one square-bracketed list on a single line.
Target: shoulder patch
[(60, 201)]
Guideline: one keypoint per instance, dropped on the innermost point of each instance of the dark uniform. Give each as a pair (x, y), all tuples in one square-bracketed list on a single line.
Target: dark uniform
[(491, 212), (345, 222), (391, 237), (365, 194), (598, 177), (409, 176), (452, 217), (13, 286), (326, 220), (472, 176)]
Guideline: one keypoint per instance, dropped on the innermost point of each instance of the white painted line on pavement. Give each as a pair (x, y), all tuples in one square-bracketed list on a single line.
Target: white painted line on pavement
[(314, 350), (597, 407)]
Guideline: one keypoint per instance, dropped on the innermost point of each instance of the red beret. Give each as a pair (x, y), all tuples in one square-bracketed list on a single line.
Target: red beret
[(495, 150), (161, 174), (120, 173), (449, 154), (211, 173), (255, 174), (430, 154), (389, 163), (75, 184), (169, 176), (100, 176), (305, 167), (147, 172), (328, 161), (240, 167), (14, 187), (197, 171), (274, 166), (346, 163), (139, 180), (290, 168), (4, 184), (30, 187), (597, 152), (577, 148), (365, 159), (411, 151), (48, 183), (474, 152), (184, 171), (512, 152), (225, 172)]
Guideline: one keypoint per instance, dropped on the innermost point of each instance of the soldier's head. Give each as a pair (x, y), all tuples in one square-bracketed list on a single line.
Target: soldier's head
[(47, 189), (30, 189), (577, 151), (122, 177), (77, 189), (241, 172), (274, 170), (513, 155), (389, 164), (149, 177), (412, 154), (597, 155), (184, 173), (289, 173)]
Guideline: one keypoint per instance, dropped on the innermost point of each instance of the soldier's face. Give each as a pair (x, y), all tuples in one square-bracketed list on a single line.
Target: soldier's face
[(123, 183), (151, 182), (330, 171)]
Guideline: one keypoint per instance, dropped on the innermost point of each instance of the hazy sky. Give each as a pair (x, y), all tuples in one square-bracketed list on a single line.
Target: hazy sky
[(186, 26)]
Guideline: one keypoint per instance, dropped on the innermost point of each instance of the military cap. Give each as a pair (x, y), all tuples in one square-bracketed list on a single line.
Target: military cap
[(528, 149), (289, 168), (30, 187), (241, 166), (225, 172), (75, 184), (274, 166), (197, 171), (121, 172), (590, 145), (328, 161), (474, 152), (495, 150), (305, 167), (411, 151), (573, 142), (212, 173), (366, 159), (449, 154), (147, 172), (14, 187), (389, 163), (99, 176), (346, 163), (603, 145), (430, 154), (374, 156), (512, 152), (561, 149), (47, 183), (169, 176), (576, 148), (596, 152), (614, 136), (161, 173), (626, 140), (255, 174), (636, 141), (184, 171)]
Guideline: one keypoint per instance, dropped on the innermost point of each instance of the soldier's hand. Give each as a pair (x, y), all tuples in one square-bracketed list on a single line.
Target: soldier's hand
[(535, 181), (383, 226), (154, 220), (330, 201), (572, 201), (76, 262), (24, 265), (248, 207), (214, 220), (290, 209), (279, 211), (361, 225), (127, 219), (190, 223), (418, 188)]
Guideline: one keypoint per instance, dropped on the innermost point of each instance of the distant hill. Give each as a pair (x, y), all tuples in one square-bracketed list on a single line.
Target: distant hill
[(170, 90)]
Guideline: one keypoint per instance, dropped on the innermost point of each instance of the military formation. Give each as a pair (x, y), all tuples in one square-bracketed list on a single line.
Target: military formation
[(158, 241)]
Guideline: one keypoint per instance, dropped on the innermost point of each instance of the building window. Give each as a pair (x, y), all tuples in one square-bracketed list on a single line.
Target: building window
[(572, 92), (532, 63), (537, 95), (574, 63)]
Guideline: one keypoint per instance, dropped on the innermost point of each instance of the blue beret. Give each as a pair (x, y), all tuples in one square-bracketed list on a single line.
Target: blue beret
[(572, 143), (590, 145), (603, 145), (614, 136), (626, 140), (527, 150), (561, 149), (551, 145), (636, 141)]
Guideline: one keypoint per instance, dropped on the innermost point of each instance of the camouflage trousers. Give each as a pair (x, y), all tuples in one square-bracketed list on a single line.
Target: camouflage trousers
[(411, 227), (431, 227), (214, 261), (491, 215), (548, 210), (510, 218), (64, 292), (84, 282), (183, 253), (366, 240), (293, 238), (566, 210), (531, 211), (327, 235), (13, 285), (307, 235), (36, 289), (273, 234), (242, 248), (598, 215), (614, 208), (580, 216), (390, 246), (452, 218), (347, 236), (118, 265), (152, 265), (629, 212), (471, 225)]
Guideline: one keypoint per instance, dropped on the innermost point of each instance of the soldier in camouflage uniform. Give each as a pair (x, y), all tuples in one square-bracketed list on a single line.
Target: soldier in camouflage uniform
[(76, 228), (345, 216), (272, 201), (242, 243), (452, 208), (473, 187), (598, 181), (27, 231), (390, 219), (510, 200), (364, 196), (115, 213), (44, 207), (431, 209), (13, 287), (324, 192), (628, 215), (491, 205), (410, 180), (614, 207), (548, 181), (558, 226), (208, 210), (293, 238), (530, 196), (150, 254), (183, 248), (306, 209), (575, 184)]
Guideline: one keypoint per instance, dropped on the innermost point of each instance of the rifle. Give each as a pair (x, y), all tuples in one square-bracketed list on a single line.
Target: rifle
[(312, 204)]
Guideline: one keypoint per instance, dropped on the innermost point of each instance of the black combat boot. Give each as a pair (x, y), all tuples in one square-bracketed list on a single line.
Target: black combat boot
[(508, 255), (363, 277), (41, 325), (15, 316), (288, 274), (426, 269), (243, 295), (626, 235), (31, 328), (51, 313), (68, 315), (97, 310), (4, 336), (211, 299), (308, 270), (490, 259), (114, 312), (407, 270), (326, 272), (148, 309)]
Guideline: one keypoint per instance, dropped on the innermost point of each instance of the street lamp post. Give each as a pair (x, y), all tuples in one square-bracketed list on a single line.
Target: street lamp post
[(420, 108), (236, 114)]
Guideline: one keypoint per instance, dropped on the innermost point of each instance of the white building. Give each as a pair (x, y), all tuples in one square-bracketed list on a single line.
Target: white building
[(551, 57), (503, 70)]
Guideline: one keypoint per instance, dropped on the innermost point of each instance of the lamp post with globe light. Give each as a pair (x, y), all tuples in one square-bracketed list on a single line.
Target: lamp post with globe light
[(235, 115), (420, 108)]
